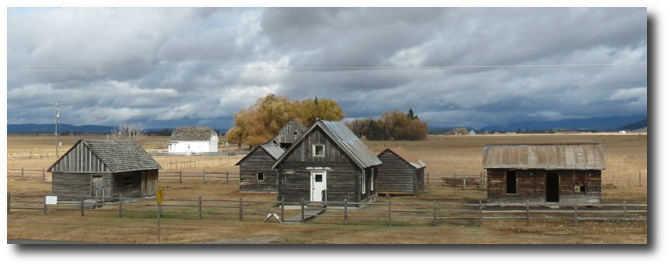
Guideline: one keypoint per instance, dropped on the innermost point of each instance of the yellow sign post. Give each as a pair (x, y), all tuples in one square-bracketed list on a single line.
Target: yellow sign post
[(159, 199)]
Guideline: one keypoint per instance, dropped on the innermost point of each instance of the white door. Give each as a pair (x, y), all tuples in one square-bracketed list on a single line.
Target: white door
[(318, 181)]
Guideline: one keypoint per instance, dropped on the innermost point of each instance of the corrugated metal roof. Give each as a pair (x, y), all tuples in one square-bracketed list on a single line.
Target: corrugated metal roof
[(343, 138), (585, 156), (119, 156), (407, 156), (192, 133), (273, 149)]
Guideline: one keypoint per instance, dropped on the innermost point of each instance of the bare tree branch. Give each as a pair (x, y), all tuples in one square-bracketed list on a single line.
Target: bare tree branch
[(128, 132)]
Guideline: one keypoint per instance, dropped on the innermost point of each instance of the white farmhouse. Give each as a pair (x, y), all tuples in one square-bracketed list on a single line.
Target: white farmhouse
[(190, 139)]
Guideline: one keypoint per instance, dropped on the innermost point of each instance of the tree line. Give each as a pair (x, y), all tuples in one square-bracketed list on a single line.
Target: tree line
[(393, 125)]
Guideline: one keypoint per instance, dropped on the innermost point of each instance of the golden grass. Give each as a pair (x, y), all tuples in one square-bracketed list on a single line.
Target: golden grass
[(625, 155)]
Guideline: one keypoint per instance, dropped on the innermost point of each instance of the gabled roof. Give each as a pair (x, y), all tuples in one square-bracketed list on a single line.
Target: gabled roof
[(192, 133), (344, 139), (585, 156), (296, 124), (406, 156), (117, 156), (270, 147)]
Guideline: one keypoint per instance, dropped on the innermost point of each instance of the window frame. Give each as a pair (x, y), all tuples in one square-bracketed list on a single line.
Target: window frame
[(262, 176), (314, 150)]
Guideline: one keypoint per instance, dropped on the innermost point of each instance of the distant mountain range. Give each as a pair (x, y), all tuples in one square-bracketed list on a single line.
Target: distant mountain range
[(49, 128), (614, 123)]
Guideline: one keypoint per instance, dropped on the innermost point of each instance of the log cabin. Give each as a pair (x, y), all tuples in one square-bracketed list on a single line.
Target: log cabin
[(401, 172), (289, 133), (104, 168), (256, 173), (544, 173)]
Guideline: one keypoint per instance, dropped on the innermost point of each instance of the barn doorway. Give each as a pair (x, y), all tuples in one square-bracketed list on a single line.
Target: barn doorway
[(552, 187)]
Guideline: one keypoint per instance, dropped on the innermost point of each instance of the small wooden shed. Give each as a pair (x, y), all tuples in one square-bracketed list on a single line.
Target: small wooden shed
[(256, 173), (106, 168), (544, 173), (328, 162), (401, 172), (289, 133)]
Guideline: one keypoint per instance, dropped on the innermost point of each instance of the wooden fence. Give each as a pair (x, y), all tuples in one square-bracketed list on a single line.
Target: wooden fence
[(333, 212), (25, 174), (464, 181), (198, 176)]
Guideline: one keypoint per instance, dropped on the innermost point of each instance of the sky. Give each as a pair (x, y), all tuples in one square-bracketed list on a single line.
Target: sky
[(167, 67)]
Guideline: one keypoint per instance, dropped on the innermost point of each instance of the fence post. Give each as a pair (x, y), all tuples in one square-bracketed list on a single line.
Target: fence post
[(639, 178), (302, 210), (428, 178), (9, 201), (625, 210), (120, 205), (481, 214), (203, 177), (576, 217), (345, 211), (434, 213), (240, 212), (81, 205), (281, 214), (199, 207), (44, 175), (179, 176), (527, 214), (389, 212), (463, 183), (227, 179), (45, 204), (481, 180), (158, 223), (22, 174)]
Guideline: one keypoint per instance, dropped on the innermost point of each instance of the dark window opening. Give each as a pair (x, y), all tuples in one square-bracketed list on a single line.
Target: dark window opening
[(511, 182), (259, 176), (285, 145), (318, 178), (295, 133), (319, 150), (580, 184)]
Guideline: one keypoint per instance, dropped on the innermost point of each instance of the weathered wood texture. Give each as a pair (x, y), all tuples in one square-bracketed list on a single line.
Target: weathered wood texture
[(289, 133), (396, 176), (130, 184), (258, 161), (343, 177), (531, 186), (80, 159)]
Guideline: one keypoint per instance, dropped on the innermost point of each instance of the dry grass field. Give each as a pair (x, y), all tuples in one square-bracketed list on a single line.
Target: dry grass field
[(625, 156)]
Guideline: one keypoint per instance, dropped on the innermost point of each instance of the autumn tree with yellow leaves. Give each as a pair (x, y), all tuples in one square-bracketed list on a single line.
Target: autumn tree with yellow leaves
[(263, 119)]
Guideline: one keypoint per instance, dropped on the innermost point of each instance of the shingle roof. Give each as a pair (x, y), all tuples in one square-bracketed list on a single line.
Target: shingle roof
[(192, 133), (117, 156), (588, 156), (407, 156), (343, 138), (297, 124)]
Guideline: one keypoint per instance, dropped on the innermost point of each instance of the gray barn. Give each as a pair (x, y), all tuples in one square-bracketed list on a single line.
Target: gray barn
[(544, 173), (256, 173), (401, 173), (105, 168), (329, 163), (289, 133)]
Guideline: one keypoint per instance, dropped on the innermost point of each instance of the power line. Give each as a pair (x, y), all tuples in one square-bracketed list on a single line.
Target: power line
[(336, 68)]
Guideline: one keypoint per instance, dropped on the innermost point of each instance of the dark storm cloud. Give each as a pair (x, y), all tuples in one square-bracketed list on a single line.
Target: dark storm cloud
[(167, 66)]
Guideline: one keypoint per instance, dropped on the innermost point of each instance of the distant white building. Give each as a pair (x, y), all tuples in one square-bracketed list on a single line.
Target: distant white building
[(189, 139), (472, 132)]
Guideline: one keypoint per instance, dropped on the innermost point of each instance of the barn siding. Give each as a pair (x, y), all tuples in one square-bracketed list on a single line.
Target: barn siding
[(258, 161), (396, 176), (127, 183), (69, 185), (80, 159), (531, 186), (286, 135)]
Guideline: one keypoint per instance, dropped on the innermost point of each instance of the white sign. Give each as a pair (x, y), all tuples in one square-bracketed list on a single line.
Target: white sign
[(51, 200)]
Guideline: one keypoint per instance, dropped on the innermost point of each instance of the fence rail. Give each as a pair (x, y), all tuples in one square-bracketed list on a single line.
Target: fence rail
[(27, 174), (333, 212), (198, 176)]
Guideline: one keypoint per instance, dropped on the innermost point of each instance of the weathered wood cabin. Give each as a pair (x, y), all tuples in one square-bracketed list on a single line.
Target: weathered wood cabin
[(401, 172), (105, 168), (289, 133), (544, 173), (256, 173), (328, 163)]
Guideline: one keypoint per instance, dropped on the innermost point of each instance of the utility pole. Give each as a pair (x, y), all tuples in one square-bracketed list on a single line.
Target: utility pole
[(57, 105)]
